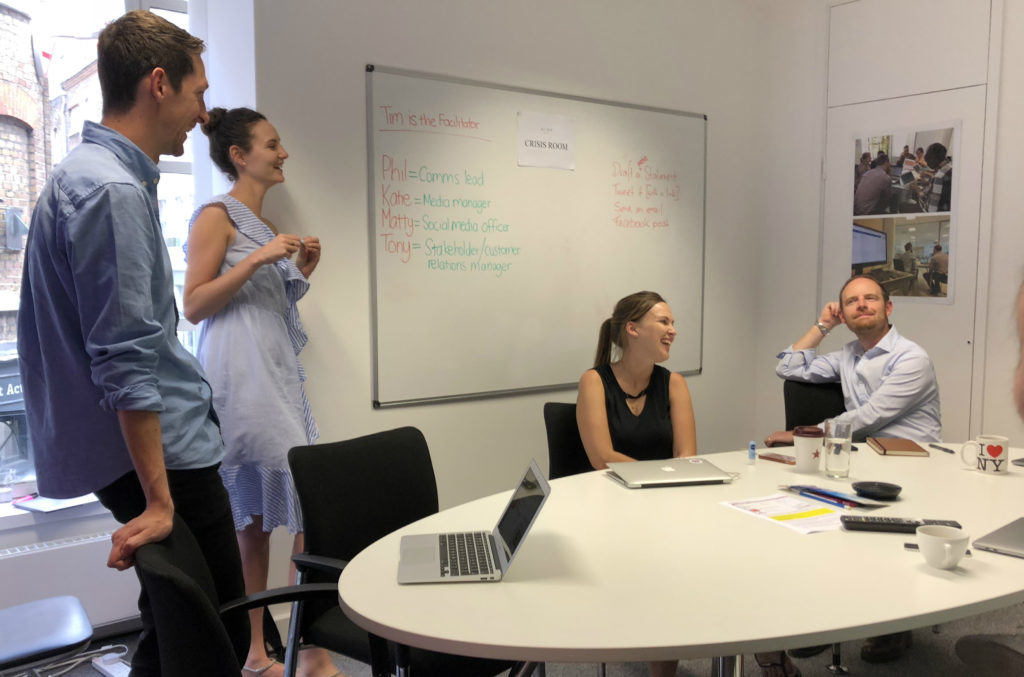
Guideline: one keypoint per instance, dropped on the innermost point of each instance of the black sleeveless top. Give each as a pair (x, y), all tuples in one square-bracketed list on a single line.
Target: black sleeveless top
[(645, 437)]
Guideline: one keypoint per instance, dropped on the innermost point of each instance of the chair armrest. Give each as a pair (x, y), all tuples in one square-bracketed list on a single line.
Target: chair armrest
[(330, 565), (289, 593)]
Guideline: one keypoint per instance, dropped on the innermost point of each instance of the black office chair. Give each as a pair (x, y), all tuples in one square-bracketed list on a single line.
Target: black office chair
[(353, 493), (566, 455), (811, 403), (42, 631), (191, 638), (992, 655)]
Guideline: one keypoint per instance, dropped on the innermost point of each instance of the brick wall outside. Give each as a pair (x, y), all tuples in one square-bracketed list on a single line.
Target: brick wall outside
[(24, 146)]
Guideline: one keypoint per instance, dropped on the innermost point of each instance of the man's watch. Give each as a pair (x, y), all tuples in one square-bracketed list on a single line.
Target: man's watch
[(822, 328)]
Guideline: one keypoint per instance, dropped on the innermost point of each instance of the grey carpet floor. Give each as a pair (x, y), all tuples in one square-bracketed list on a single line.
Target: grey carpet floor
[(932, 654)]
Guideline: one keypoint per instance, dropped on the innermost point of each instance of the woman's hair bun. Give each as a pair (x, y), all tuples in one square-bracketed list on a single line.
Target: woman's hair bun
[(214, 117)]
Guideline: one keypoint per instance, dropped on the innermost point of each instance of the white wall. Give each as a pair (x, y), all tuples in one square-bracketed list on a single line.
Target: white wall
[(688, 56), (787, 158), (1005, 265)]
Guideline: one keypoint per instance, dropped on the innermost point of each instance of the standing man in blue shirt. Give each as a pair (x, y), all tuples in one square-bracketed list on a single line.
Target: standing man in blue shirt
[(888, 381), (115, 405)]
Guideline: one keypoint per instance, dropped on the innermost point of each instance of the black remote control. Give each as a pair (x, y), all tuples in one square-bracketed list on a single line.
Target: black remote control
[(899, 525)]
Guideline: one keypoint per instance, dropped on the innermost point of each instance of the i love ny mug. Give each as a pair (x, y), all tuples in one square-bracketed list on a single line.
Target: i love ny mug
[(988, 453)]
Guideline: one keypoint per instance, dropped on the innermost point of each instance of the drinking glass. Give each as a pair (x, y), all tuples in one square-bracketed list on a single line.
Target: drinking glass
[(837, 448)]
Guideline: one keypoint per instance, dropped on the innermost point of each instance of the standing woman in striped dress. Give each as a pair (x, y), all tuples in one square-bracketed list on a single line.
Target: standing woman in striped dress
[(242, 284)]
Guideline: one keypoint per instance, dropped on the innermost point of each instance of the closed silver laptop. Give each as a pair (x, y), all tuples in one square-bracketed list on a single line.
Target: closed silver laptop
[(669, 472), (476, 555), (1006, 540)]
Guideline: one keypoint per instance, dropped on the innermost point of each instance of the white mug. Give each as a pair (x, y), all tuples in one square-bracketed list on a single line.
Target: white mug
[(992, 455), (942, 547), (807, 444)]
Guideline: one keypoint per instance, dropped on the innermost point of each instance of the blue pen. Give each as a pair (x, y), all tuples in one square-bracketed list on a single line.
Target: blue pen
[(823, 499), (835, 498), (940, 448), (853, 501)]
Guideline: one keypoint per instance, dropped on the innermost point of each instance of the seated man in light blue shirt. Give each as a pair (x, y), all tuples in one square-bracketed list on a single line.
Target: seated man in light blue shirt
[(890, 390), (888, 381)]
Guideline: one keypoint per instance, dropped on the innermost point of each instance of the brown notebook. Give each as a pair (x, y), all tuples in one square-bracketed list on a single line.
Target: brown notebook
[(896, 446)]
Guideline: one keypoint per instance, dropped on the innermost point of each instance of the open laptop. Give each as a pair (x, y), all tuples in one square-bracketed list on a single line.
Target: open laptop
[(476, 555), (1006, 540), (905, 179), (666, 473)]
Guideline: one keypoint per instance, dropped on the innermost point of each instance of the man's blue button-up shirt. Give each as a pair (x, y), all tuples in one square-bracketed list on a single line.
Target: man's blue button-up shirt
[(97, 323), (890, 390)]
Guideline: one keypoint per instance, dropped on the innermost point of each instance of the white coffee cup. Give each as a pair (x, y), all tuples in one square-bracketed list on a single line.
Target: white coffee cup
[(808, 441), (988, 454), (942, 547)]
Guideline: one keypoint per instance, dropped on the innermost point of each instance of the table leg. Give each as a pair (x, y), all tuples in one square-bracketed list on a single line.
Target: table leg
[(527, 669), (837, 667), (727, 666), (401, 660), (380, 663)]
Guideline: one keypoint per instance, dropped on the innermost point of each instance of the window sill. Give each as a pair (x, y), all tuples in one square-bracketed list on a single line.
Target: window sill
[(21, 527), (11, 508)]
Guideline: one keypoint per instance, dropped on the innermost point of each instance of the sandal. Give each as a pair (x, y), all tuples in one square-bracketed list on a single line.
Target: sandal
[(260, 671), (776, 664)]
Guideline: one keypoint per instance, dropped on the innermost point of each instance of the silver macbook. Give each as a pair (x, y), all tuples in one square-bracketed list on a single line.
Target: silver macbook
[(669, 472), (1006, 540), (476, 555)]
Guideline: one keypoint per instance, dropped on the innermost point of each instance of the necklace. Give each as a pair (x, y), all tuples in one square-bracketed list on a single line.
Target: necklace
[(637, 396), (634, 406)]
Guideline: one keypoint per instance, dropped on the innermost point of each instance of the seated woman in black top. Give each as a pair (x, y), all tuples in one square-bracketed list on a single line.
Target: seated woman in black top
[(631, 408)]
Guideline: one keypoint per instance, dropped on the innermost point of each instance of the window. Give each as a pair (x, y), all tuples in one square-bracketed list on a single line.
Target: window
[(176, 189), (51, 87)]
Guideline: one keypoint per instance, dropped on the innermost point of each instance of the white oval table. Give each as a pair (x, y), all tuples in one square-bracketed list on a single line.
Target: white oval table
[(613, 574)]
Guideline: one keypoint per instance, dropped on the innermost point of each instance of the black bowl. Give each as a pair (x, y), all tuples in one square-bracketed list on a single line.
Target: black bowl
[(880, 491)]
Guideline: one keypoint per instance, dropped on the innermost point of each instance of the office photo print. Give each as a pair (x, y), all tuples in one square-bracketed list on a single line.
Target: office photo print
[(904, 172), (909, 256)]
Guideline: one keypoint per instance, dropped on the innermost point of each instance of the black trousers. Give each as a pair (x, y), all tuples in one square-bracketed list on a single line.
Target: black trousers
[(202, 502), (933, 280)]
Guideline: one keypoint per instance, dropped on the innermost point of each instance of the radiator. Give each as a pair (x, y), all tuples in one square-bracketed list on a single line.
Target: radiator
[(76, 566)]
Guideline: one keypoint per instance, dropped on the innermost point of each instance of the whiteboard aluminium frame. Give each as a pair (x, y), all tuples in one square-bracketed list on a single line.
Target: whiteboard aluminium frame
[(372, 225)]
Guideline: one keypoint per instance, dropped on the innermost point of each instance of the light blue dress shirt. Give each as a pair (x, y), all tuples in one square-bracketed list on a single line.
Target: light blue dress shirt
[(890, 390), (97, 323)]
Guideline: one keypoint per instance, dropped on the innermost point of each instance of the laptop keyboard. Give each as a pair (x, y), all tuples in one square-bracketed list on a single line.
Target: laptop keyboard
[(465, 554)]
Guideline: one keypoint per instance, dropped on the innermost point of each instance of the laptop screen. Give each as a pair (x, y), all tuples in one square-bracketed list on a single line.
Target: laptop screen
[(521, 510)]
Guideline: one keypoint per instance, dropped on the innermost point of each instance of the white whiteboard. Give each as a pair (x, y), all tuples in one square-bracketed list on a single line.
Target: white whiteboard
[(490, 277)]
